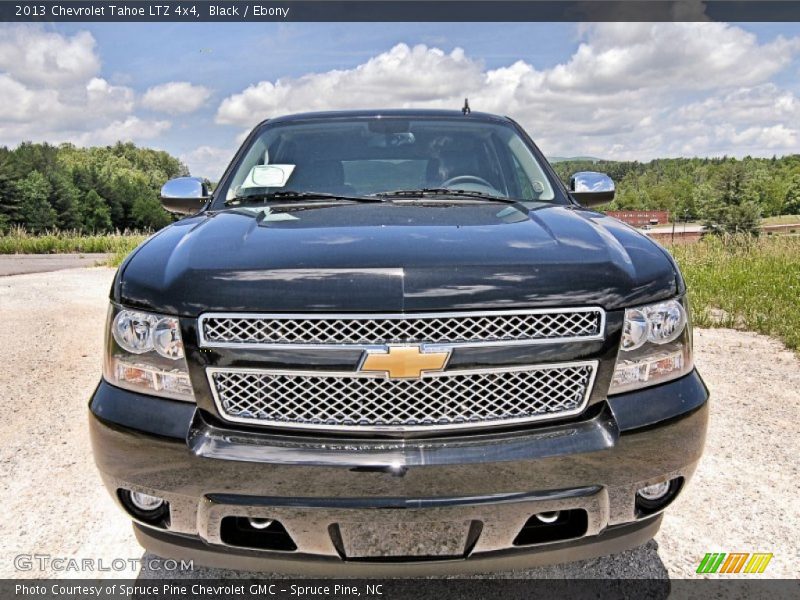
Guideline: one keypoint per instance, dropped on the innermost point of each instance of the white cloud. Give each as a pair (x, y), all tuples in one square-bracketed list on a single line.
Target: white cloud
[(763, 103), (176, 97), (103, 98), (33, 56), (51, 91), (18, 101), (630, 90), (696, 56), (48, 107), (207, 161), (131, 129), (401, 77)]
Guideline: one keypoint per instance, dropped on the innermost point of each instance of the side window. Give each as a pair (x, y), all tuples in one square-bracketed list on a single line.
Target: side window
[(255, 155), (532, 180), (491, 161), (523, 183)]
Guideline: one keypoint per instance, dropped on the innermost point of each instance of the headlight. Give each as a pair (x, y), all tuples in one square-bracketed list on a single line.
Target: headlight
[(144, 353), (656, 346)]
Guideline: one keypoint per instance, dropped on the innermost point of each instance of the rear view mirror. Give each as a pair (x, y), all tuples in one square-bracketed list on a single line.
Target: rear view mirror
[(591, 189), (185, 195), (389, 126)]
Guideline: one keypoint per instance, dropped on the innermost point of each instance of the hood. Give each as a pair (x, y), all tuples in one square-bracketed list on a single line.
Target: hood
[(394, 257)]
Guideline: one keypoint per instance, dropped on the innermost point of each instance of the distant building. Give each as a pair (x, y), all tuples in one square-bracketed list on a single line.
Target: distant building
[(640, 218)]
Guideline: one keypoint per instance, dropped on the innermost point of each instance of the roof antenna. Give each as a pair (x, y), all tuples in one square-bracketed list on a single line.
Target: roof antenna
[(466, 110)]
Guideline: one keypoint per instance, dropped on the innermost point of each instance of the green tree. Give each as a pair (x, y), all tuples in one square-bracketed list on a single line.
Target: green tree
[(9, 196), (147, 213), (791, 202), (9, 203), (36, 212), (735, 218), (744, 218), (64, 199), (95, 212)]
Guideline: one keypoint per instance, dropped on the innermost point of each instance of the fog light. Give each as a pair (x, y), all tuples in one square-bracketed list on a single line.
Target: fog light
[(652, 498), (146, 508), (654, 492), (145, 501)]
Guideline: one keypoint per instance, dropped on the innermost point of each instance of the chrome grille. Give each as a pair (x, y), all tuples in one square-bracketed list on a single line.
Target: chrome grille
[(348, 401), (499, 327)]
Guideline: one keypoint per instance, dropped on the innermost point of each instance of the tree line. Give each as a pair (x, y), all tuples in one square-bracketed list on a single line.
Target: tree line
[(92, 190), (727, 194)]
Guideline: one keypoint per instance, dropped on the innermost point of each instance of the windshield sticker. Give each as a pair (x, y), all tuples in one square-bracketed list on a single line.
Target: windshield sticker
[(268, 176)]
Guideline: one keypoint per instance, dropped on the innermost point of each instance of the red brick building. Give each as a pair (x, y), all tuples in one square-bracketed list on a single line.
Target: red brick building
[(640, 218)]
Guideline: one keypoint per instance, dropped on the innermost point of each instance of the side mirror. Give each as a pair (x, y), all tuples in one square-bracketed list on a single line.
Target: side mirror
[(591, 189), (185, 195)]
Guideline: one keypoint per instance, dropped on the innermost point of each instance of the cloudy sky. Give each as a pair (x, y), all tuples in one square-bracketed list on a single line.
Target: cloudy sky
[(620, 91)]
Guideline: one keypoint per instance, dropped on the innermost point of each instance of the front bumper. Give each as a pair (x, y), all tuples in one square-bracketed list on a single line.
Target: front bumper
[(486, 486)]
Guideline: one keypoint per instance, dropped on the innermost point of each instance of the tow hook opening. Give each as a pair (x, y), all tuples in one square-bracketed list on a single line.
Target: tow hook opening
[(256, 533), (553, 526), (260, 523)]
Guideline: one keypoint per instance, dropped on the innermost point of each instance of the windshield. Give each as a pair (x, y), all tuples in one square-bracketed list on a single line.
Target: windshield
[(380, 155)]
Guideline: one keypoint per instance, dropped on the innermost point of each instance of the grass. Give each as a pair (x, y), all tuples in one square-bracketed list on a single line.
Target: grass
[(745, 283), (781, 220), (19, 241), (117, 257)]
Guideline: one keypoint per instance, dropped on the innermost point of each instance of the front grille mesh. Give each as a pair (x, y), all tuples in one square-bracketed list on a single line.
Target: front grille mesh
[(435, 401), (379, 330)]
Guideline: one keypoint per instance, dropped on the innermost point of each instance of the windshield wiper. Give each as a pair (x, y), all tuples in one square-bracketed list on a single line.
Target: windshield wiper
[(295, 195), (437, 192)]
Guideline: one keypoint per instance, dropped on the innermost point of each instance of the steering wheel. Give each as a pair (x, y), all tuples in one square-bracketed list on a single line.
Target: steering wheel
[(467, 179)]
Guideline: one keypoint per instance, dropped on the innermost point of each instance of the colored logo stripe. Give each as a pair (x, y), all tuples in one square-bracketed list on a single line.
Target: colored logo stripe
[(734, 562), (758, 563), (711, 562), (720, 562)]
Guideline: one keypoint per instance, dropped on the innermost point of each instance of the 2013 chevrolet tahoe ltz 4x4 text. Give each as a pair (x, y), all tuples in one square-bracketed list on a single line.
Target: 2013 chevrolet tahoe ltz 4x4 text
[(392, 342)]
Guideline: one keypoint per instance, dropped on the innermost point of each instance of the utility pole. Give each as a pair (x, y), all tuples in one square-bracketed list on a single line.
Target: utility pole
[(673, 230)]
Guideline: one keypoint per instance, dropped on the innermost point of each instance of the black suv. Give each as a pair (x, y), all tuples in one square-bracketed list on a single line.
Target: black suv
[(393, 342)]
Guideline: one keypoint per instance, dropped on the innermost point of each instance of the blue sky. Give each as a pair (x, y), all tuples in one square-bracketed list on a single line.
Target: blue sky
[(612, 90)]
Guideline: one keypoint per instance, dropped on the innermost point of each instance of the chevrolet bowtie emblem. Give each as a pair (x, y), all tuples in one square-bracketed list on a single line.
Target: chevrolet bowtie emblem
[(404, 362)]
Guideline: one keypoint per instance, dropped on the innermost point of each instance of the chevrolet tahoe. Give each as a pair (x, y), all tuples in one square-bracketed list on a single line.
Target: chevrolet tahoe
[(394, 342)]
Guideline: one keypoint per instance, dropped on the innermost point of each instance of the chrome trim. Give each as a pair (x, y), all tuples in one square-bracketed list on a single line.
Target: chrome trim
[(423, 349), (593, 364), (185, 188), (424, 346)]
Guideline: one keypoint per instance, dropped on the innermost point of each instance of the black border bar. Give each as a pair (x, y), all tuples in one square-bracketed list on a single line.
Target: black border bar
[(399, 11), (395, 589)]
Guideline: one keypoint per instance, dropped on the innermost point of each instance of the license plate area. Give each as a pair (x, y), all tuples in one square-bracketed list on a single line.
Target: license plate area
[(399, 538)]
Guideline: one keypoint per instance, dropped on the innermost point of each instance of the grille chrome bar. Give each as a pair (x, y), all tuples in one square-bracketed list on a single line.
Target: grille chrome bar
[(344, 401), (376, 330)]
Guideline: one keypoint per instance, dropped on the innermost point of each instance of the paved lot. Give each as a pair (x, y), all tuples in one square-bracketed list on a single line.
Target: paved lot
[(743, 497), (19, 264)]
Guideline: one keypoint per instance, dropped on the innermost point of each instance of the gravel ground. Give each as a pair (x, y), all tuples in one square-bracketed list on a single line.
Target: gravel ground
[(743, 497)]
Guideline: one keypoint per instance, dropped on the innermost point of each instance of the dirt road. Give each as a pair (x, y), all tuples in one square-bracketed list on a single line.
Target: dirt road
[(743, 498), (19, 264)]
